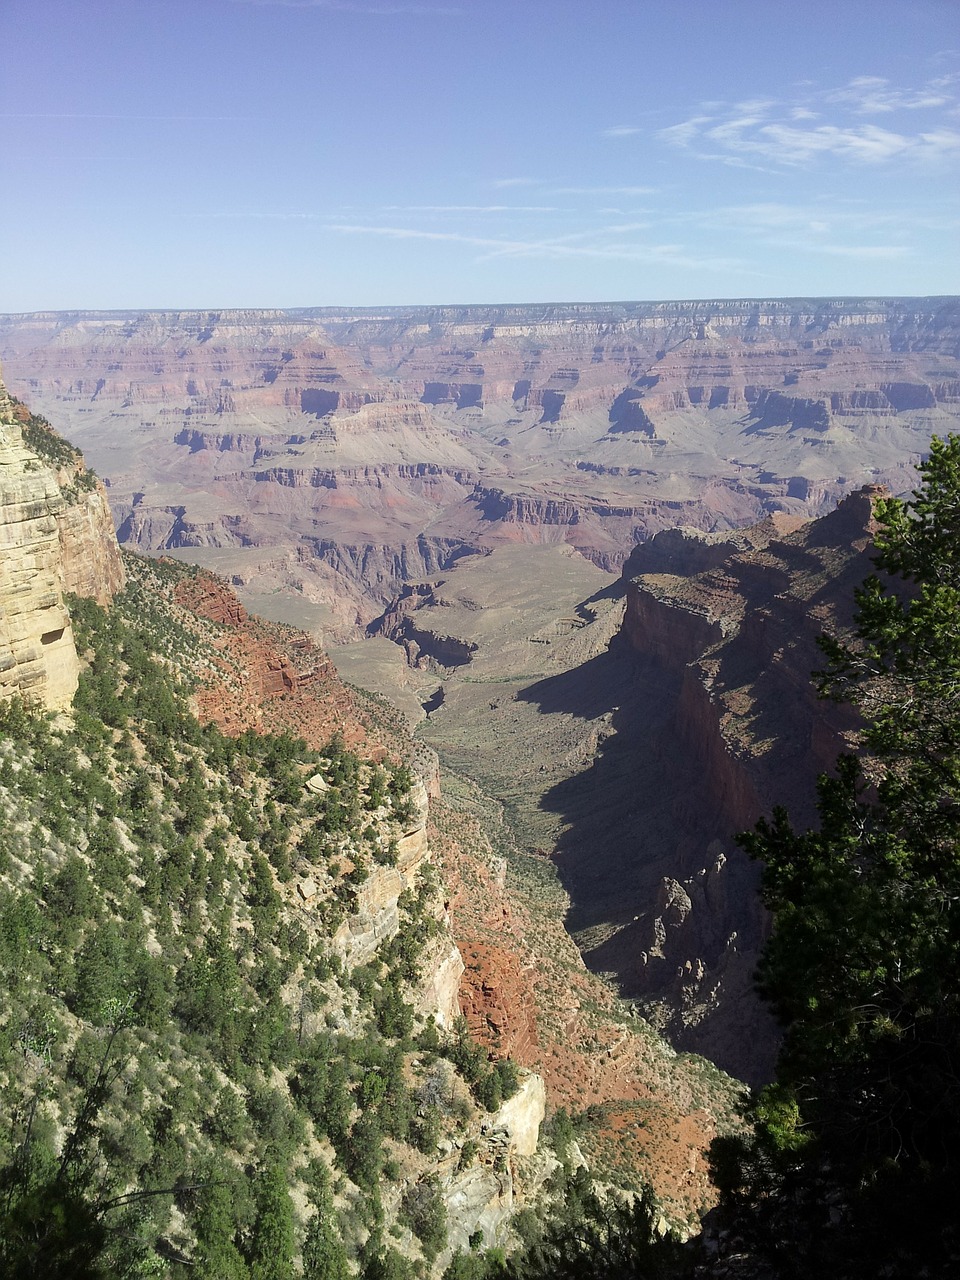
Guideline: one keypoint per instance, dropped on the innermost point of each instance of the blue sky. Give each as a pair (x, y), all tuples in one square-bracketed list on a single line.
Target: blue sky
[(211, 153)]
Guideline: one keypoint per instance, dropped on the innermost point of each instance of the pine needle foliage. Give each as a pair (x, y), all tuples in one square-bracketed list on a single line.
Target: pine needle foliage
[(854, 1169)]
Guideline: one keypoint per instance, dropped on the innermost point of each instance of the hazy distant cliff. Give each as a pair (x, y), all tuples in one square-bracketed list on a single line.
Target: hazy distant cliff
[(341, 452)]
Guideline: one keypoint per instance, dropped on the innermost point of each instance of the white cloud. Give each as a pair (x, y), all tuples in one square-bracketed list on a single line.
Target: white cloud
[(873, 95), (621, 131), (683, 134), (788, 133)]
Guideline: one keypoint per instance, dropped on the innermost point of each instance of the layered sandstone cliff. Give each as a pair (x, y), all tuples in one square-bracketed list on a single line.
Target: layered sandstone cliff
[(56, 536), (38, 658)]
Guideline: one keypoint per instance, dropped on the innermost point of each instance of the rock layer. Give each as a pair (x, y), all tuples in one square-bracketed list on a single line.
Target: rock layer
[(56, 536), (38, 658), (342, 453)]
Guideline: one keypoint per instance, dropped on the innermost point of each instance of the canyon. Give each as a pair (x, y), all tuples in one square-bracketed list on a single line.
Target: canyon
[(571, 543), (490, 952), (338, 454), (632, 726)]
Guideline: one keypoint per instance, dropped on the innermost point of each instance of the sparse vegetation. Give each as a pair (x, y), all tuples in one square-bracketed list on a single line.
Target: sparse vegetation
[(179, 1030)]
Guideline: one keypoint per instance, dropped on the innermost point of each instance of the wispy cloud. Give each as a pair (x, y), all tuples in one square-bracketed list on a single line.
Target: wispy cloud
[(827, 217), (604, 191), (795, 133), (351, 6), (672, 254), (869, 252), (873, 95), (83, 115), (824, 228), (622, 131), (470, 208), (683, 134), (503, 183), (549, 187)]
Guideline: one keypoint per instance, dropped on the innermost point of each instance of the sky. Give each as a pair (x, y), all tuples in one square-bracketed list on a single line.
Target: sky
[(285, 153)]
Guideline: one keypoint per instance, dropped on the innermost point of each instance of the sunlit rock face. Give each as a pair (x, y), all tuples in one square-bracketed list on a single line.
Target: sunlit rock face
[(90, 563), (38, 659), (56, 536)]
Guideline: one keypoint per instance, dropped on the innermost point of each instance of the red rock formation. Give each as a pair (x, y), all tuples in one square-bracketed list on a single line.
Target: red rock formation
[(525, 993), (382, 445), (210, 597), (497, 1000)]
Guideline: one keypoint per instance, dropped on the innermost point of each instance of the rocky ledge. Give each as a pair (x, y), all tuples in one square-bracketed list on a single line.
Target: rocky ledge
[(56, 536)]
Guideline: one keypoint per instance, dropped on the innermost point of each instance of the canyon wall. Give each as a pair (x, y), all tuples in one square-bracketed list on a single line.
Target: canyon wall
[(56, 536), (341, 453), (730, 625)]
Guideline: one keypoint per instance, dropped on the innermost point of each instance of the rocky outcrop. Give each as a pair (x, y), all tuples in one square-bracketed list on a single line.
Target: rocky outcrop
[(507, 1173), (438, 992), (90, 563), (376, 917), (56, 536), (209, 597), (38, 657), (521, 1116), (497, 1001)]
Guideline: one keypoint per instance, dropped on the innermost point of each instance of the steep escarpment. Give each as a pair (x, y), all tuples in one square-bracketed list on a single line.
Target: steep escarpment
[(56, 536), (729, 627), (630, 753), (327, 452), (743, 637)]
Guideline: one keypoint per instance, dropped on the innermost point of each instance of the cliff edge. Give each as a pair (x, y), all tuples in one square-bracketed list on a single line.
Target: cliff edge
[(56, 536)]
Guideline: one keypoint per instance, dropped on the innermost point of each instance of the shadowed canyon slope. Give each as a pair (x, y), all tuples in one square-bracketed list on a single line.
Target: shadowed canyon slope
[(341, 453), (632, 727)]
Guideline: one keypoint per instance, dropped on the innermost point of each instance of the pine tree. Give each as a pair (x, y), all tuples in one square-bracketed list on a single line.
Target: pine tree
[(324, 1257), (217, 1256), (271, 1248), (855, 1165)]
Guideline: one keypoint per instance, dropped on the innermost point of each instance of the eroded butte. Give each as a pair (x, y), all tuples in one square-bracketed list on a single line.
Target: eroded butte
[(342, 453)]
